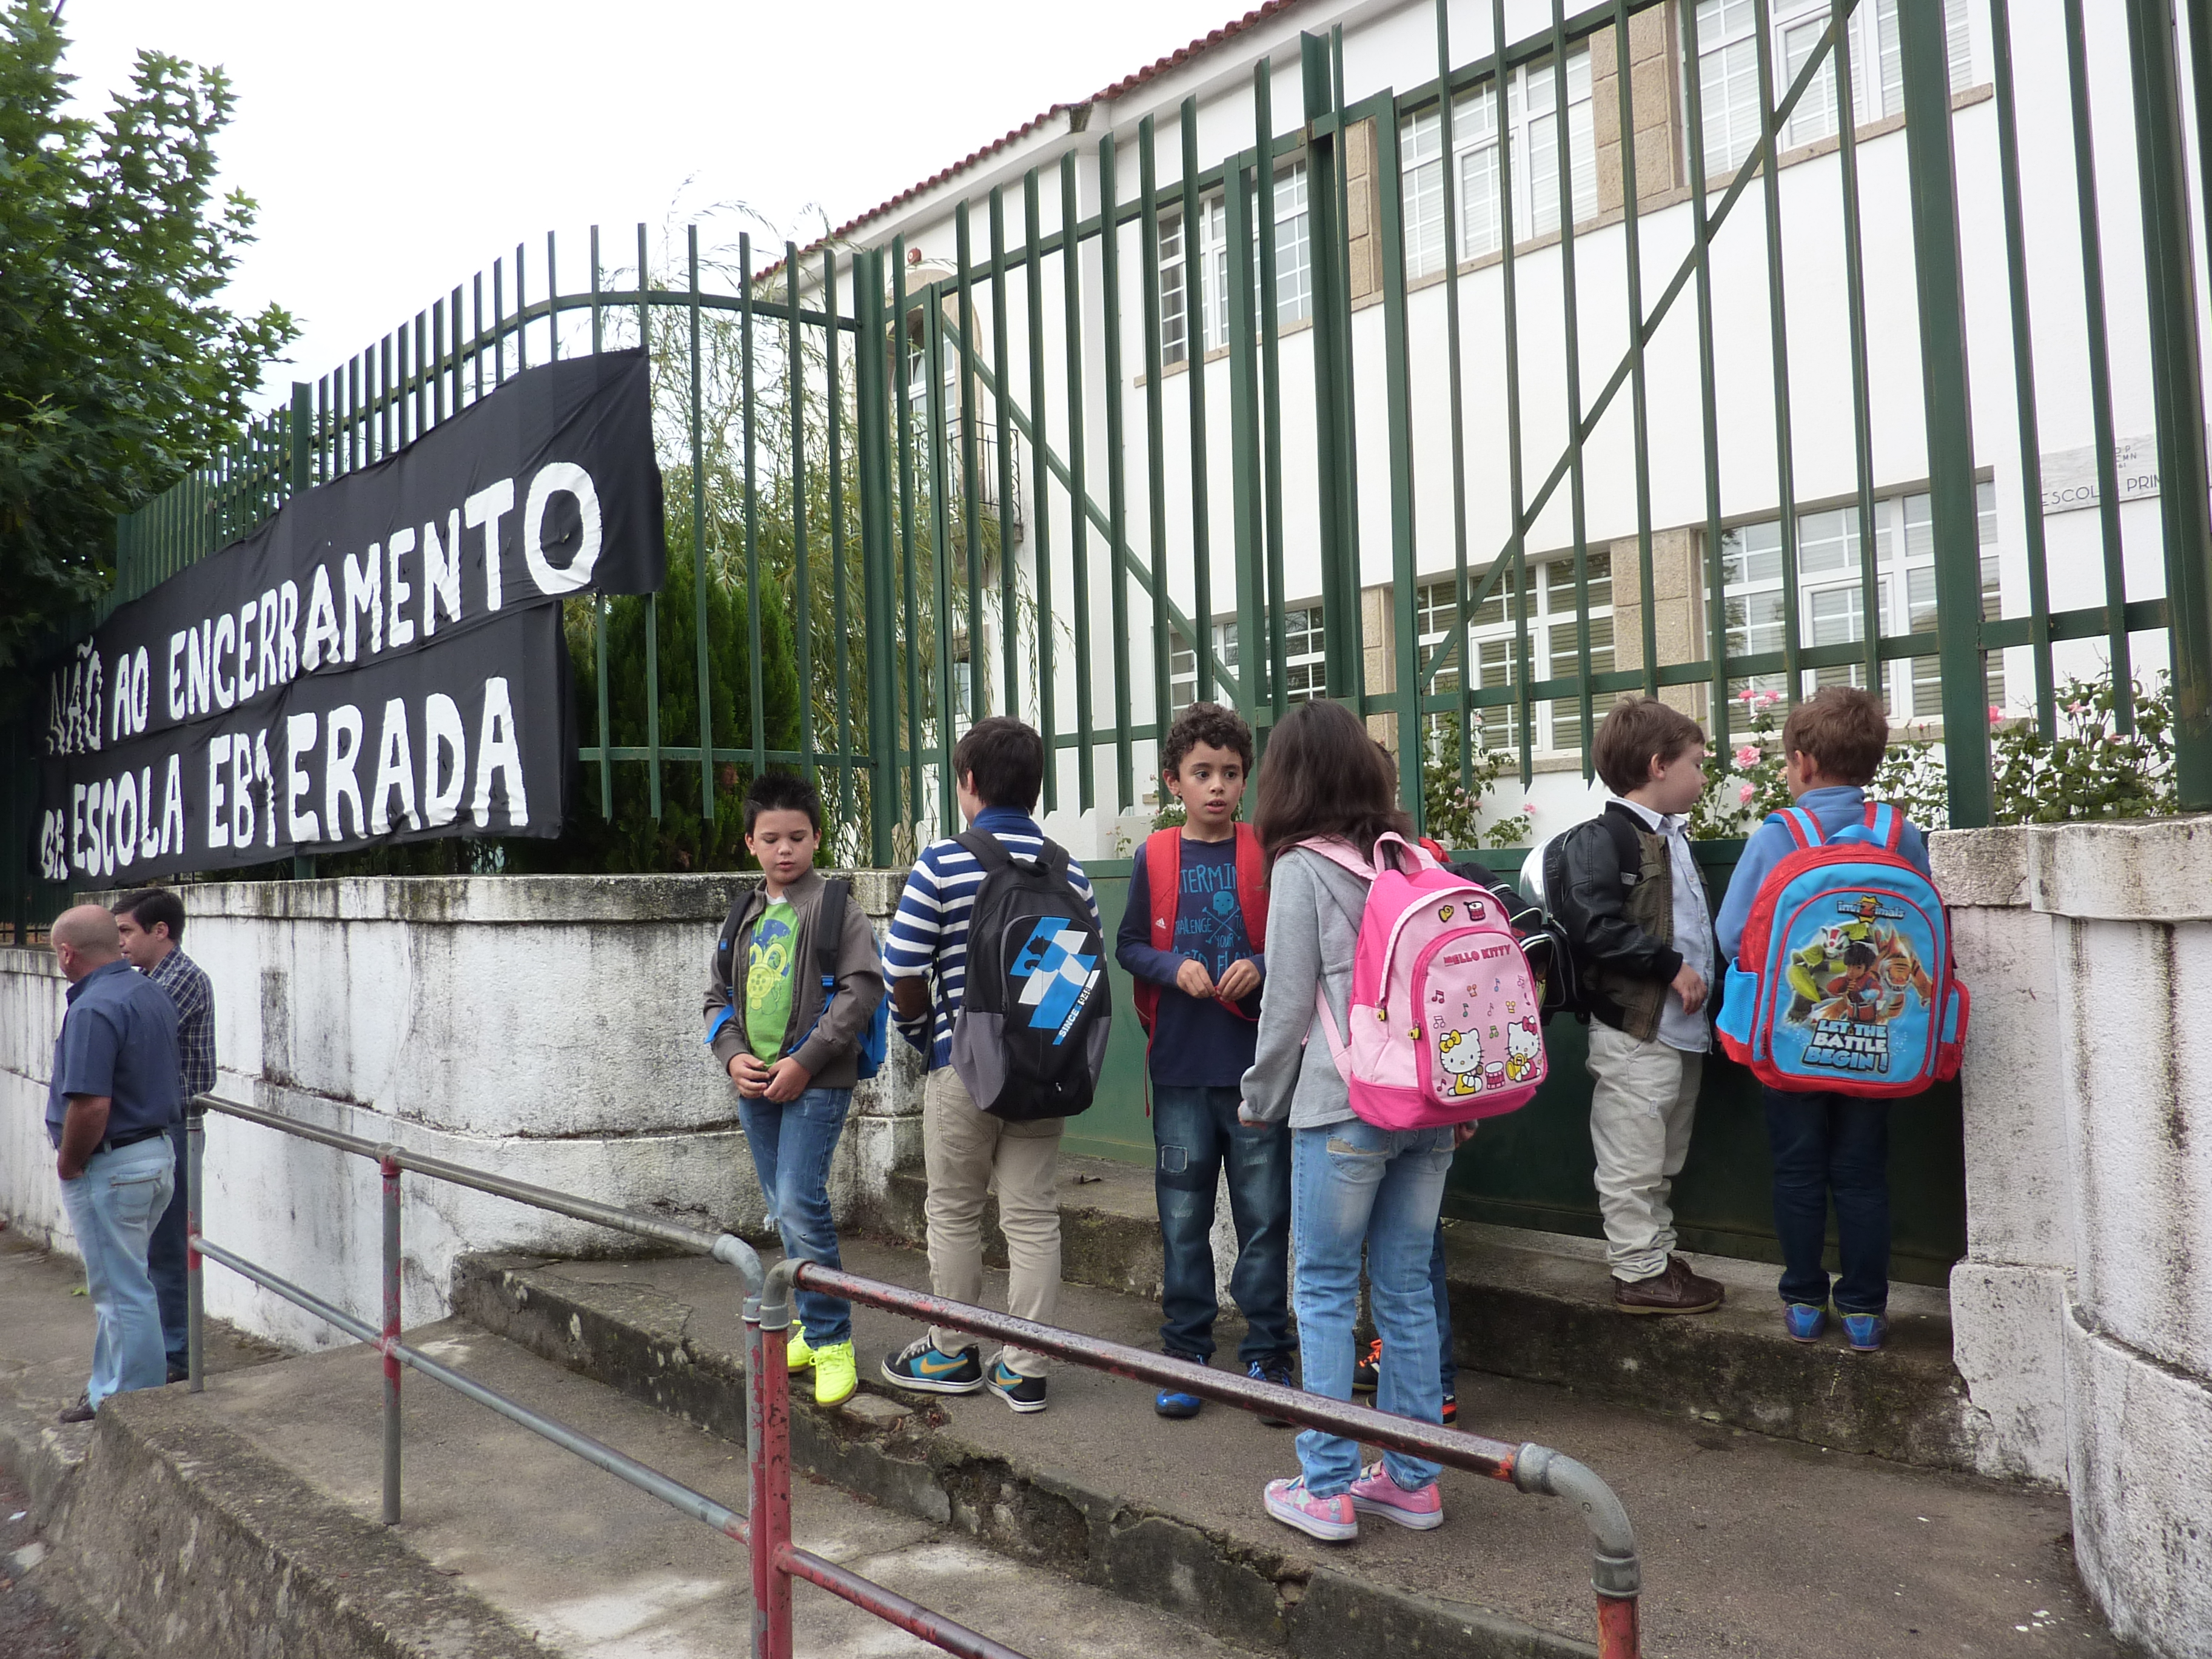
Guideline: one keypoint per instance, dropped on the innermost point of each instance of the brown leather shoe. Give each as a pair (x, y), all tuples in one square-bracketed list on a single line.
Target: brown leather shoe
[(1674, 1291)]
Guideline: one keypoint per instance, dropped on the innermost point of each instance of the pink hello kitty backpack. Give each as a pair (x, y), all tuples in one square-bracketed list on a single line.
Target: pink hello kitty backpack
[(1446, 1025)]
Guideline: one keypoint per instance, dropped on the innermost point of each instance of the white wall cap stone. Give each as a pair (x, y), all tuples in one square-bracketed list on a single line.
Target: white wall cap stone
[(1980, 867), (2152, 870)]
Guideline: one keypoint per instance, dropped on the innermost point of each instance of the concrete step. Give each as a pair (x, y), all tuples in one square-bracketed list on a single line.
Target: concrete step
[(1539, 1306), (243, 1522), (1751, 1544)]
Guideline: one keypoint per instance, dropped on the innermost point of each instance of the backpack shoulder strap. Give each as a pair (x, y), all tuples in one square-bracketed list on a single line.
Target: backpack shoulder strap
[(987, 849), (1804, 829), (829, 929), (1340, 853), (1627, 844), (1252, 885), (1886, 822), (1163, 881)]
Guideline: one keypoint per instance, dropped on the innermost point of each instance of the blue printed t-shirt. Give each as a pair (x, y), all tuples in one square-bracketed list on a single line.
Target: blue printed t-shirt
[(1196, 1044), (117, 1039)]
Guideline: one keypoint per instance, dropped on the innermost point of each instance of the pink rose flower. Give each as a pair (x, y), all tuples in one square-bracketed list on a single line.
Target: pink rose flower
[(1746, 795), (1996, 713), (1748, 756)]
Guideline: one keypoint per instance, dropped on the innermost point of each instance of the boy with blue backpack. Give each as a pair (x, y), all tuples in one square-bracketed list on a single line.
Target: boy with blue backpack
[(795, 1015), (1840, 998)]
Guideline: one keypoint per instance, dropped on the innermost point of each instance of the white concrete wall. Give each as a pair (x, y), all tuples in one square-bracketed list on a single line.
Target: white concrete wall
[(544, 1028), (2083, 1311)]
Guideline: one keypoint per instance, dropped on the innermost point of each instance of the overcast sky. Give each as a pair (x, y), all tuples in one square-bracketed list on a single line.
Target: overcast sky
[(396, 148)]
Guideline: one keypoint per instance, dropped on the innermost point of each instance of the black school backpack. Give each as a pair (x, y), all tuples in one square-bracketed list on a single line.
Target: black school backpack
[(1030, 1039)]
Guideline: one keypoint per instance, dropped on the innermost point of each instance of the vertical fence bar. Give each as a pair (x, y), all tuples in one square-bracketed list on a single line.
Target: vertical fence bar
[(2176, 390), (1240, 234), (940, 543), (751, 502), (1639, 410), (906, 558), (971, 488), (438, 360), (195, 1211), (598, 322), (1273, 680), (389, 1163), (1950, 441), (1156, 494), (425, 374), (2100, 374), (802, 629), (1570, 306), (2023, 372), (1196, 258), (1000, 396), (833, 348), (1324, 161), (1708, 399), (477, 338), (521, 316), (1070, 270), (498, 324), (1517, 593), (1390, 204), (1847, 153), (552, 305), (1455, 390), (1040, 496), (879, 599), (699, 526), (1785, 468), (1354, 655), (652, 601), (1117, 481)]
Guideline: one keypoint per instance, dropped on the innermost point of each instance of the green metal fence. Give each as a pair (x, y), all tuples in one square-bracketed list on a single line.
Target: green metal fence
[(1019, 475)]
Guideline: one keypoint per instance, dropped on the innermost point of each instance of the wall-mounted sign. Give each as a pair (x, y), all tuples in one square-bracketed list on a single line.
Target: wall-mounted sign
[(2070, 476), (382, 660)]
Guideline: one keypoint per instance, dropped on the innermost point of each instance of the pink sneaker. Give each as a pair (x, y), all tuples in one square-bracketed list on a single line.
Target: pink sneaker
[(1375, 1493), (1329, 1519)]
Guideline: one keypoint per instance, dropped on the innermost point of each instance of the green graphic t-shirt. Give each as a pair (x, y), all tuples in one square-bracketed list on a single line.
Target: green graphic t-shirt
[(768, 980)]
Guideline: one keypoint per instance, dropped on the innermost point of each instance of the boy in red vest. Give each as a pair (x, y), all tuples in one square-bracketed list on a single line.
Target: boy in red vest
[(1192, 938)]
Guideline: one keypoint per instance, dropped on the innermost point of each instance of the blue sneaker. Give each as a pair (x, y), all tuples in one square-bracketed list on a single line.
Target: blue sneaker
[(1174, 1402), (1803, 1320), (1023, 1394), (920, 1365), (1276, 1369), (1865, 1332)]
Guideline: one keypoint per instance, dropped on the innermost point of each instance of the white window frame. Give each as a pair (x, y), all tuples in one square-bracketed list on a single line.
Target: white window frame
[(1294, 263), (1727, 71), (1531, 124), (1491, 644), (1305, 660)]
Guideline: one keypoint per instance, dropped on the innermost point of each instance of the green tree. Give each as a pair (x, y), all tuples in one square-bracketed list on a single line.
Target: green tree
[(119, 363)]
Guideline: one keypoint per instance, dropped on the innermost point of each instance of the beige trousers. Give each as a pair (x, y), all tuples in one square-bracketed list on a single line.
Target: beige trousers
[(964, 1151), (1640, 1115)]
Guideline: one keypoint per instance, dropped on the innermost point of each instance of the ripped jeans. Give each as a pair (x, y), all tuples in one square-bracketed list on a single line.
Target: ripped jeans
[(1352, 1183), (1196, 1135)]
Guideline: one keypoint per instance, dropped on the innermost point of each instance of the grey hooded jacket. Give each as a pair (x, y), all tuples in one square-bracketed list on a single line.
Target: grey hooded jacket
[(1313, 924)]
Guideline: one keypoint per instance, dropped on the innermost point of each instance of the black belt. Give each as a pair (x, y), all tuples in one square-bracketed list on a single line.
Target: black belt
[(117, 1143)]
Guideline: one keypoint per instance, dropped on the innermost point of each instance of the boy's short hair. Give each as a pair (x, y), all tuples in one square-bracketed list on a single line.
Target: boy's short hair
[(1636, 732), (1005, 758), (1210, 724), (154, 907), (782, 791), (1846, 730)]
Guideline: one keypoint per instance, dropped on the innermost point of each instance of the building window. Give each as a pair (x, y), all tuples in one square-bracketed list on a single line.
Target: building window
[(1293, 265), (1534, 131), (1553, 644), (1831, 607), (1727, 69), (1305, 671)]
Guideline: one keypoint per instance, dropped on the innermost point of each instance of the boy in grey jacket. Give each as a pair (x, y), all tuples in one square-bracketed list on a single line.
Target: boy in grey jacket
[(791, 1046)]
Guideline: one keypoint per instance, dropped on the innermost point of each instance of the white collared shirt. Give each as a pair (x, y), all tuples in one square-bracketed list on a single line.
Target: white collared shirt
[(1693, 929)]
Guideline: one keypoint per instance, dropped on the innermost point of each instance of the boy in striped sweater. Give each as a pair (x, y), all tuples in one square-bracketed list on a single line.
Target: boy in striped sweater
[(999, 766)]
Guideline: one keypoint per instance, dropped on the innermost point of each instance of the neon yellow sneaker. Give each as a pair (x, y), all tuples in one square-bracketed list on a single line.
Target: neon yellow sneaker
[(797, 1355), (835, 1375)]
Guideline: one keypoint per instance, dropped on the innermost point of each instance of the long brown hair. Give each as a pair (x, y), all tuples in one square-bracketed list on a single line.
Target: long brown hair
[(1323, 776)]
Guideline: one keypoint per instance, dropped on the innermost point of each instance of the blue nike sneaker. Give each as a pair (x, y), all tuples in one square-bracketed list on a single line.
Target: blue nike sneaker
[(920, 1365), (1174, 1402), (1865, 1332), (1803, 1320)]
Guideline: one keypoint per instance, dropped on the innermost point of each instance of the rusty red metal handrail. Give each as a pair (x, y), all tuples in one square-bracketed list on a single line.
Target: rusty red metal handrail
[(1616, 1574)]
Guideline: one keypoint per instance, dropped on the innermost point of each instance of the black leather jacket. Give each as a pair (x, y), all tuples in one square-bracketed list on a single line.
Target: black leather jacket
[(1619, 917)]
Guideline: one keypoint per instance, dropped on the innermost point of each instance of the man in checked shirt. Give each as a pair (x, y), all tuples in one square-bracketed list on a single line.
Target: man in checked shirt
[(152, 923)]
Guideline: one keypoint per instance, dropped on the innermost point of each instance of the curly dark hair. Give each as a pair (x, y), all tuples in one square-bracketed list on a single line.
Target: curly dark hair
[(1210, 724)]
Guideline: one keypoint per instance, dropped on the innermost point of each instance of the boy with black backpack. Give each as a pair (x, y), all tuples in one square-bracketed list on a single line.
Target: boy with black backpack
[(793, 1010), (998, 974)]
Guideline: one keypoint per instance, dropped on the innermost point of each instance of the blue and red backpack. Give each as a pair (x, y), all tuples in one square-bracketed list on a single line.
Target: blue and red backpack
[(1163, 884), (1844, 981)]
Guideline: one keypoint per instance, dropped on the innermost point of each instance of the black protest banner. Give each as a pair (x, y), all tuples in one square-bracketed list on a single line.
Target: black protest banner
[(381, 661)]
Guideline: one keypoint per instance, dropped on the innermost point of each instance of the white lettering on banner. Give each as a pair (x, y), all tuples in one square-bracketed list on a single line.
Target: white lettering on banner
[(498, 749), (561, 478), (197, 656), (248, 671), (176, 674), (298, 739), (400, 629), (443, 734), (487, 507), (126, 828), (341, 752), (322, 641), (150, 830), (172, 809), (218, 822), (442, 572), (265, 775), (226, 629), (242, 825), (288, 650), (100, 801), (395, 771), (76, 830), (363, 594), (265, 672), (141, 690)]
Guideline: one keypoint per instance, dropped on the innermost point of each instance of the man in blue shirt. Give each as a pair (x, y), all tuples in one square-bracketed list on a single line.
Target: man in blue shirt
[(114, 1093)]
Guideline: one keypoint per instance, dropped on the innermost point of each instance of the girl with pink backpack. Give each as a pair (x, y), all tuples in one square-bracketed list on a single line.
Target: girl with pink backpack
[(1391, 981)]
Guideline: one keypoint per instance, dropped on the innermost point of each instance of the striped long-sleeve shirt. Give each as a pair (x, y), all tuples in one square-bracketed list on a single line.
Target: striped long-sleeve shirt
[(929, 934), (186, 982)]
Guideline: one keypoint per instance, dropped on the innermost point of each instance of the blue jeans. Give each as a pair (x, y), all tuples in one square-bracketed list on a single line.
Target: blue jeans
[(1196, 1133), (1824, 1146), (165, 1259), (1352, 1183), (113, 1207), (791, 1145), (1447, 1366)]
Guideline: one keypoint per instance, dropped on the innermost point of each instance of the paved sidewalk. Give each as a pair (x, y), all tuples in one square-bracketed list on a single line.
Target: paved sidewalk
[(1750, 1545)]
